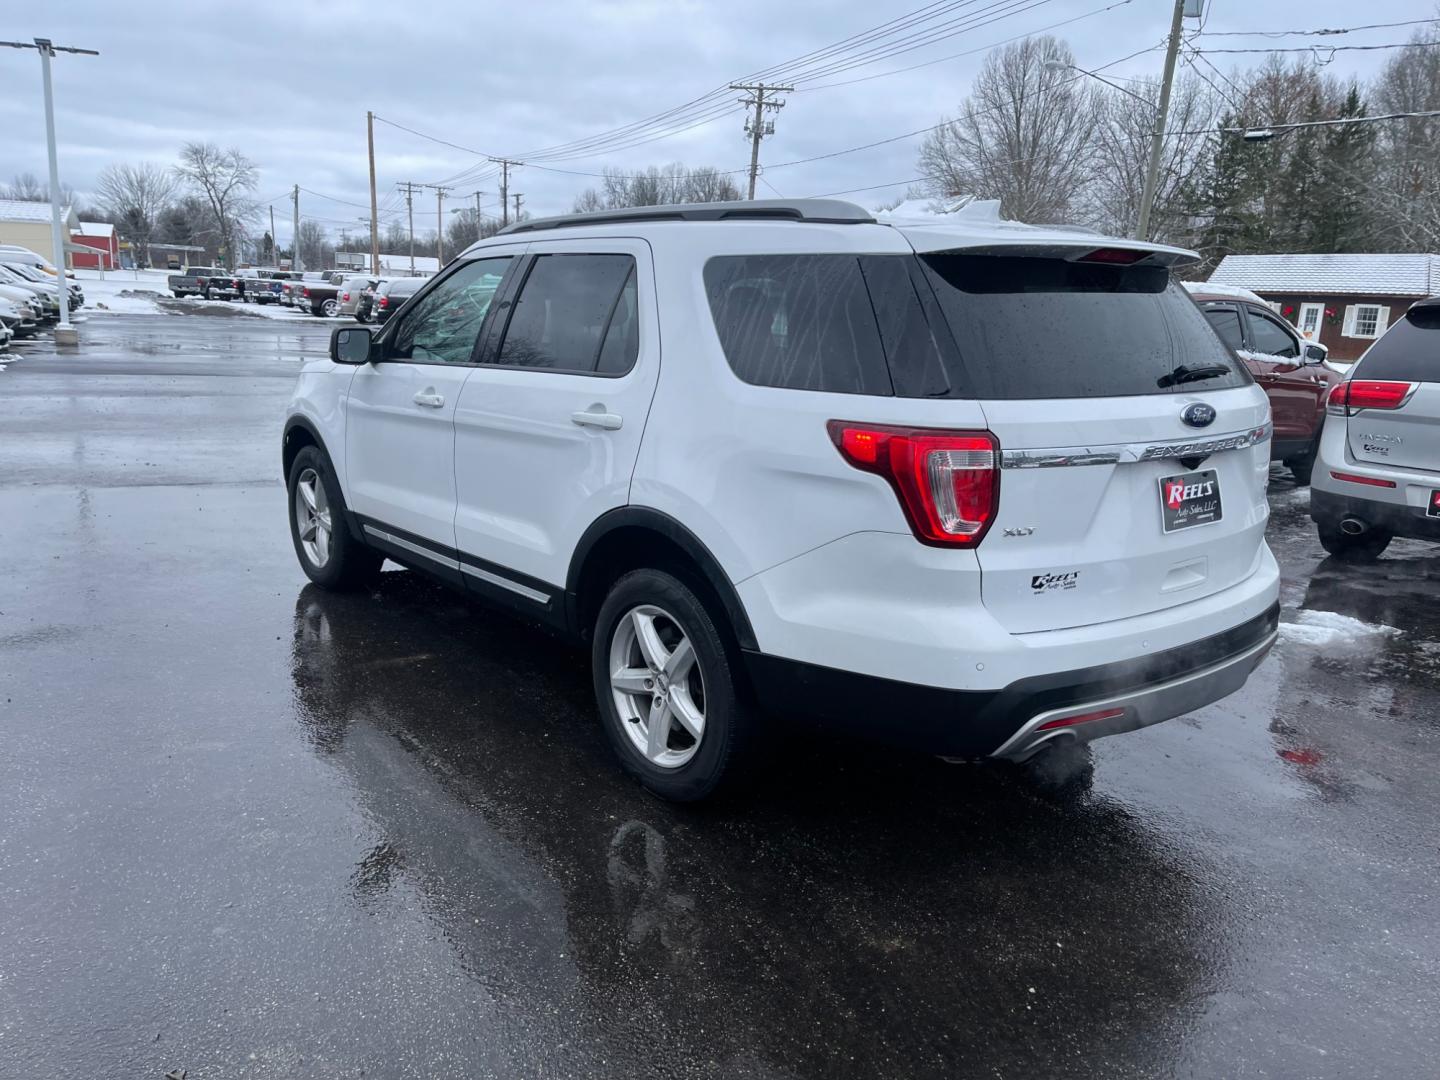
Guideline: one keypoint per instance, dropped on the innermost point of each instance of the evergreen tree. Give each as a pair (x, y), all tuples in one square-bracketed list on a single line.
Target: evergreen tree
[(1347, 179)]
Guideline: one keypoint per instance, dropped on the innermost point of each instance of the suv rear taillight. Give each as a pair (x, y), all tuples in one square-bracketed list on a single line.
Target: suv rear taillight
[(1369, 394), (384, 301), (948, 482)]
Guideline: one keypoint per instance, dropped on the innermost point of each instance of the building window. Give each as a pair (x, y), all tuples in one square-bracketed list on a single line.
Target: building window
[(1365, 320)]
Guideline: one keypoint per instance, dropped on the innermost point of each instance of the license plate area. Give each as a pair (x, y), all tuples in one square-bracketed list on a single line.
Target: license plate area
[(1189, 500)]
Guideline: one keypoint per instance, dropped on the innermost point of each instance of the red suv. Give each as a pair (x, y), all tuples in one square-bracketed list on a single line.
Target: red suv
[(1288, 368)]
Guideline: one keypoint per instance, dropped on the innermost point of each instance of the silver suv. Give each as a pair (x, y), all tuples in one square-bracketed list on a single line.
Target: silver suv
[(1378, 472)]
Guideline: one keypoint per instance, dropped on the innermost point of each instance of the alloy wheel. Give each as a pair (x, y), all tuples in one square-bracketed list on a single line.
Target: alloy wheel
[(657, 685), (312, 518)]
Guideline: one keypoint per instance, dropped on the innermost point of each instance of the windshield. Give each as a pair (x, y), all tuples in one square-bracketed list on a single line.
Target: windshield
[(1051, 328)]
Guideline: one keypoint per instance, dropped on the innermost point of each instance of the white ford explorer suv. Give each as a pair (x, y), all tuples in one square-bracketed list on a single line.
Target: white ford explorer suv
[(969, 486)]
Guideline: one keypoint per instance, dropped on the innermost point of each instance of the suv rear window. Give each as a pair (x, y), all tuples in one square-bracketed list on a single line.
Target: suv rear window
[(1409, 352), (1050, 328)]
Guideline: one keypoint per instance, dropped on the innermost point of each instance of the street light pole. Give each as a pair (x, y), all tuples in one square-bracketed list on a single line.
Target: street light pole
[(64, 333)]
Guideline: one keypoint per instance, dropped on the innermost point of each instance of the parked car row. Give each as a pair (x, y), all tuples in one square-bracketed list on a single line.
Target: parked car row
[(325, 293), (30, 294)]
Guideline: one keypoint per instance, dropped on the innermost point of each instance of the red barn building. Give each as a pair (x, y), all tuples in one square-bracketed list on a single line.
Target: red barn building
[(1342, 301), (101, 237)]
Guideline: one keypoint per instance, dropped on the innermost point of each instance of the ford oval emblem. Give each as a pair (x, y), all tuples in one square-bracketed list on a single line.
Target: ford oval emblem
[(1198, 414)]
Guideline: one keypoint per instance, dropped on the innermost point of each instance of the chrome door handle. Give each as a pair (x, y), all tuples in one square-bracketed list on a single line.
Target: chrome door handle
[(430, 399), (609, 421)]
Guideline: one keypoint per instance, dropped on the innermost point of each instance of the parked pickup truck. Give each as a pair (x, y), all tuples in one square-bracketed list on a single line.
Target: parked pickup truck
[(261, 285), (291, 291), (322, 298), (211, 282)]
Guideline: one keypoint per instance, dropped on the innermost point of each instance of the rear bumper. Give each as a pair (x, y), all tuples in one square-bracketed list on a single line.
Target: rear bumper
[(1008, 723), (1401, 519)]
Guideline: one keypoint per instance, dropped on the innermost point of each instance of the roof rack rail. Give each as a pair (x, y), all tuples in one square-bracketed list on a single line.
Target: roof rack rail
[(824, 211)]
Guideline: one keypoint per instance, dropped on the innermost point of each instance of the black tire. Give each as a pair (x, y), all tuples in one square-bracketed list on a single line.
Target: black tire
[(350, 564), (1302, 465), (1367, 547), (727, 748)]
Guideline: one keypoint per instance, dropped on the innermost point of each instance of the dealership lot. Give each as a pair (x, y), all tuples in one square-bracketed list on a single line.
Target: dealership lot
[(256, 829)]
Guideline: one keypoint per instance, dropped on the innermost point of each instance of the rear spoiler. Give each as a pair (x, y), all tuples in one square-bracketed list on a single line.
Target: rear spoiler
[(1094, 249)]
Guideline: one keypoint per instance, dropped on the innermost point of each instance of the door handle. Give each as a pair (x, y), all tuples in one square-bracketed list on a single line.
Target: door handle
[(430, 399), (609, 421)]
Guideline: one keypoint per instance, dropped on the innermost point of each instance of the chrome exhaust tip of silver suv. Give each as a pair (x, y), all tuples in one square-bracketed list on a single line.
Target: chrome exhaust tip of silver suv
[(1353, 526)]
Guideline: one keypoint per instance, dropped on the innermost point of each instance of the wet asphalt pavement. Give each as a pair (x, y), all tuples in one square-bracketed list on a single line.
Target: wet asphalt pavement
[(251, 829)]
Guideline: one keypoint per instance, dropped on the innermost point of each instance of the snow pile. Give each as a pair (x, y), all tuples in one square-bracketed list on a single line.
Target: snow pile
[(1324, 628)]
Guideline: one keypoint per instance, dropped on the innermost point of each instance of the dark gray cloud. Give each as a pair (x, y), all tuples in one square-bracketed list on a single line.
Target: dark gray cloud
[(289, 83)]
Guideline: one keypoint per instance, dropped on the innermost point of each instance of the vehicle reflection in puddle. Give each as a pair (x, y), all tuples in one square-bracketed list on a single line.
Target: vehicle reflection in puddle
[(855, 906)]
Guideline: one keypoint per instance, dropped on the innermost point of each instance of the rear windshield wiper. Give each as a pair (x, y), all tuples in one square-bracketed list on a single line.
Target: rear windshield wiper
[(1184, 374)]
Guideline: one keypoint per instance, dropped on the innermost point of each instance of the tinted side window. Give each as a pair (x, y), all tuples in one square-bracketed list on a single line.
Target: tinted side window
[(622, 339), (1269, 337), (445, 323), (1226, 322), (1409, 351), (560, 318), (802, 322)]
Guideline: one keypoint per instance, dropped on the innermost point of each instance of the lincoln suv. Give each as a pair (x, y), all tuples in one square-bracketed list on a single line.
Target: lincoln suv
[(959, 484)]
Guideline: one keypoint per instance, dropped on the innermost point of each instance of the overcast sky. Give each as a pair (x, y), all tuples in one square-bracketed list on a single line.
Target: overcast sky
[(289, 83)]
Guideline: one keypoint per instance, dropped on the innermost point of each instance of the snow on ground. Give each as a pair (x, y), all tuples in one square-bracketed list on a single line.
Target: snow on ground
[(137, 292), (1321, 628)]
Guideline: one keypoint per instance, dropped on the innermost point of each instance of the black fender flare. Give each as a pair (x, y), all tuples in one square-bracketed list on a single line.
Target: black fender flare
[(664, 525), (303, 423)]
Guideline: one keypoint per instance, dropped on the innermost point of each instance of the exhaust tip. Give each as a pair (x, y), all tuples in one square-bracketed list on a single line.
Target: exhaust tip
[(1353, 526)]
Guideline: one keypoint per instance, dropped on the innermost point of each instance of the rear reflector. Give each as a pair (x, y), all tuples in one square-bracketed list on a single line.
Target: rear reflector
[(947, 482), (1351, 478), (1114, 256), (1080, 718), (1370, 394)]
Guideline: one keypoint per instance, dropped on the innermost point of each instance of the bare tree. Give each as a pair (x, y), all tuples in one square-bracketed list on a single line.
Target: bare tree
[(26, 187), (1408, 188), (1122, 152), (224, 178), (316, 251), (135, 195), (1023, 136), (659, 186)]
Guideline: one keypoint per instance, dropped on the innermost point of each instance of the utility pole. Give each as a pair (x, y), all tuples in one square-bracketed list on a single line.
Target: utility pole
[(409, 187), (296, 262), (504, 164), (757, 127), (440, 193), (1157, 139), (65, 333), (374, 203), (274, 246), (517, 197)]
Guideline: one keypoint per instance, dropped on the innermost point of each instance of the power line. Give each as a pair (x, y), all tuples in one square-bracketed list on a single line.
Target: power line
[(1314, 33), (1331, 48), (968, 52)]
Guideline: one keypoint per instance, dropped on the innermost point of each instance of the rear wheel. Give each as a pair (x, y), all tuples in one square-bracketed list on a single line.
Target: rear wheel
[(330, 308), (330, 556), (1302, 465), (1367, 547), (667, 691)]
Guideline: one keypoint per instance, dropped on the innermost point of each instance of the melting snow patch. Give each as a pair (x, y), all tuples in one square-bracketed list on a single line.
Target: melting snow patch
[(1330, 628)]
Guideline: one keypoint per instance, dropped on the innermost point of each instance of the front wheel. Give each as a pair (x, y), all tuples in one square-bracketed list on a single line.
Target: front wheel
[(1367, 547), (667, 691), (330, 556)]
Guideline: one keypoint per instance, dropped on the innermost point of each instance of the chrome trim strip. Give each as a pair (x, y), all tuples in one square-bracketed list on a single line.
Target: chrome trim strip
[(443, 560), (505, 583), (1114, 454), (454, 564), (1021, 741)]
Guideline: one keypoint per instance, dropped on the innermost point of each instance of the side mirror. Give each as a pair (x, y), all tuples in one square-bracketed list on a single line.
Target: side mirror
[(1316, 354), (351, 345)]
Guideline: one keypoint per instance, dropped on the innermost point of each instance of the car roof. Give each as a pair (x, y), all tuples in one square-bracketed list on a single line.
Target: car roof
[(830, 224), (1204, 290)]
